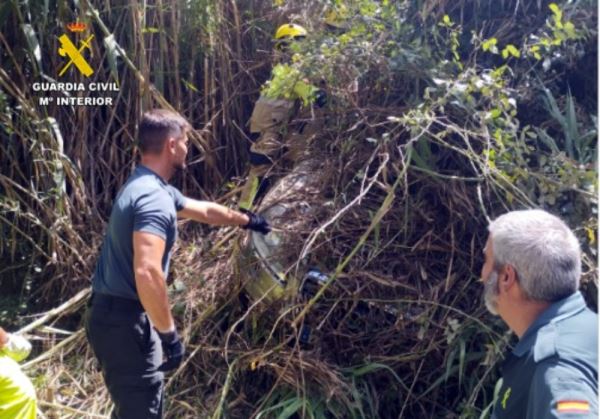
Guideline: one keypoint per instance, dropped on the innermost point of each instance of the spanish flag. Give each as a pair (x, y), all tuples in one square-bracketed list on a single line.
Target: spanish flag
[(572, 406)]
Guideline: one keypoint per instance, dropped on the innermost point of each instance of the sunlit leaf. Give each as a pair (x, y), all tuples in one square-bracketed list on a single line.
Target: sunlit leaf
[(510, 49), (556, 10)]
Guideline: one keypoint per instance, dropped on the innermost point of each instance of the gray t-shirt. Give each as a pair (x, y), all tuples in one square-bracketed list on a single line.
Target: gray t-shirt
[(145, 203)]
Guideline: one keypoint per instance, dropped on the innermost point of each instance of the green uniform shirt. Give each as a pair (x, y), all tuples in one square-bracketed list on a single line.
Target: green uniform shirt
[(553, 370)]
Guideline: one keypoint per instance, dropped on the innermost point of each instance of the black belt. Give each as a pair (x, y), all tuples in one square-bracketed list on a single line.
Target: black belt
[(111, 302)]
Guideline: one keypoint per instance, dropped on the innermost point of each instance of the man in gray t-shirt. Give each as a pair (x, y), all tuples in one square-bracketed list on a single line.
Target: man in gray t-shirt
[(145, 203), (129, 323)]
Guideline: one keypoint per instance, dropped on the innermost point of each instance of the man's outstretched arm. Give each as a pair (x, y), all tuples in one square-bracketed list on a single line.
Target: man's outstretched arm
[(212, 213), (216, 214)]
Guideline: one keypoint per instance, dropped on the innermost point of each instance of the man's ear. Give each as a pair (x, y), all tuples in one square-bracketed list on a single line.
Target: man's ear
[(507, 278), (170, 144)]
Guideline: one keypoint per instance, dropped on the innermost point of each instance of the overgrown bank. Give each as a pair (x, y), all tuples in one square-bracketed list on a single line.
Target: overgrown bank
[(440, 116)]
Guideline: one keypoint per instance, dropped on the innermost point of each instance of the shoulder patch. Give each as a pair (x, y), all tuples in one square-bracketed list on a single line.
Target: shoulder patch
[(573, 406), (545, 343)]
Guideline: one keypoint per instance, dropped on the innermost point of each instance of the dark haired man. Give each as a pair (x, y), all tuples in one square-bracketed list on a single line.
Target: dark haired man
[(129, 323)]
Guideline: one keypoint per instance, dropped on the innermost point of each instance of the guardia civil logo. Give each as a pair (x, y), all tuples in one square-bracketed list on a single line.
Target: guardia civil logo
[(73, 53), (75, 45)]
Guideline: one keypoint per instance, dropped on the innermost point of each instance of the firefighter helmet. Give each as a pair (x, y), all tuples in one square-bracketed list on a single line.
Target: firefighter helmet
[(290, 31)]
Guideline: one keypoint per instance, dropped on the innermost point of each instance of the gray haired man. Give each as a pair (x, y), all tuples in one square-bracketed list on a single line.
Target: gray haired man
[(531, 277)]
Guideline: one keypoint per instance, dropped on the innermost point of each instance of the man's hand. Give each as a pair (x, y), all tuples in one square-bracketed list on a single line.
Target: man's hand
[(173, 350), (257, 222)]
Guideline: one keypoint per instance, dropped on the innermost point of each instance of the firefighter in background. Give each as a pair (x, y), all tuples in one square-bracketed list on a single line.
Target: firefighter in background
[(285, 100), (17, 394)]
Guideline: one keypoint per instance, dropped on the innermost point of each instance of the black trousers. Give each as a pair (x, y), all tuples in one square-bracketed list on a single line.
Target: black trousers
[(129, 352)]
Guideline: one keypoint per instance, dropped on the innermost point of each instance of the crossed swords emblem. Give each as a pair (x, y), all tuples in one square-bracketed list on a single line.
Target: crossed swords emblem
[(69, 49)]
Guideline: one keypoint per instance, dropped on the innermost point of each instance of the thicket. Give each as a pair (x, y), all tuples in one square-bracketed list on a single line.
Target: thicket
[(441, 116)]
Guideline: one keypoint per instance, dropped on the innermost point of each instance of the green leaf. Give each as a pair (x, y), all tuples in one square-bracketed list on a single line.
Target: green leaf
[(190, 86), (510, 49), (513, 50), (291, 408), (489, 44), (150, 29), (287, 82), (446, 20), (556, 10), (570, 30), (375, 366), (571, 131), (461, 360), (420, 162), (547, 140), (499, 72), (558, 22), (535, 51)]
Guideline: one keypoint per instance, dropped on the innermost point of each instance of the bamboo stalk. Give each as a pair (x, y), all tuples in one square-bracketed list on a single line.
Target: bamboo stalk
[(54, 350), (71, 304)]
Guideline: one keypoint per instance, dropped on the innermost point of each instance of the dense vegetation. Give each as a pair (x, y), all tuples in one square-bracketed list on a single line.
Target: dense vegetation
[(441, 115)]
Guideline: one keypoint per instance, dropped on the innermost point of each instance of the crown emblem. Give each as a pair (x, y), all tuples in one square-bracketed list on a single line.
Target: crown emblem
[(77, 27)]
